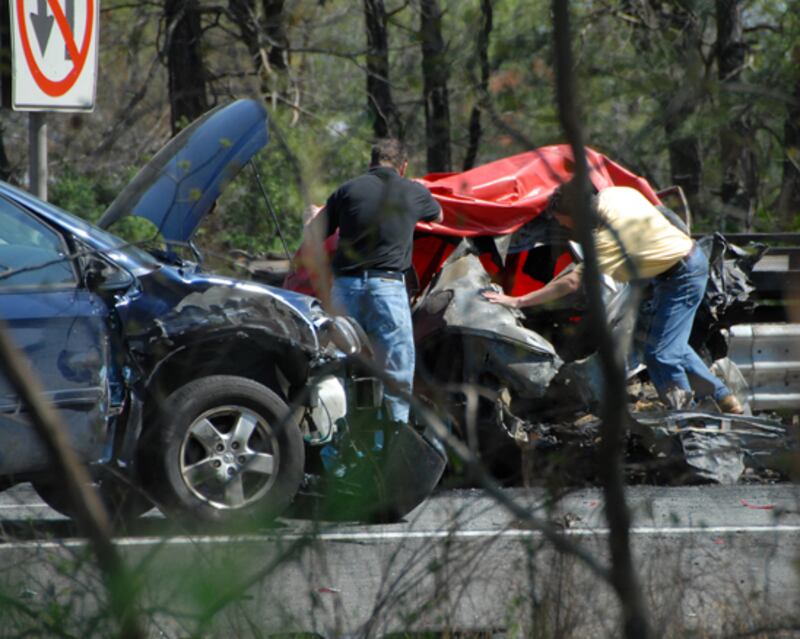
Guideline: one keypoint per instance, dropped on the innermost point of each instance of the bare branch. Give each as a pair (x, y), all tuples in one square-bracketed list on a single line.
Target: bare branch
[(614, 410)]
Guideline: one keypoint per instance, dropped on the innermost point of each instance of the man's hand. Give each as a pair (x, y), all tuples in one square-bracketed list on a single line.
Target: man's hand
[(501, 298), (310, 213)]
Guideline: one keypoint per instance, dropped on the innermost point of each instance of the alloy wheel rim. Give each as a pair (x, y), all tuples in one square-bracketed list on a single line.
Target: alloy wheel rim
[(229, 457)]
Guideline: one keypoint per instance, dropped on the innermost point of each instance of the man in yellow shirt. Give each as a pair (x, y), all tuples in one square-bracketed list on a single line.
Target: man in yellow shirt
[(635, 241)]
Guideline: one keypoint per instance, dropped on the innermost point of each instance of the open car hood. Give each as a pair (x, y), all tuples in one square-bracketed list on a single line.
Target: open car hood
[(181, 183)]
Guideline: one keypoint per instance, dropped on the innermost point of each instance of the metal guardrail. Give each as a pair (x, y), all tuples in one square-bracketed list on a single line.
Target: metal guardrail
[(768, 356), (766, 238)]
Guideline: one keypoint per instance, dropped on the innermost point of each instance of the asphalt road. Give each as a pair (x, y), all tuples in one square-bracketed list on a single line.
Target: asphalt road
[(712, 560)]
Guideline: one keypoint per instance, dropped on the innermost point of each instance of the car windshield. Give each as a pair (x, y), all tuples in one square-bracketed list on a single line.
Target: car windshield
[(132, 250), (99, 239)]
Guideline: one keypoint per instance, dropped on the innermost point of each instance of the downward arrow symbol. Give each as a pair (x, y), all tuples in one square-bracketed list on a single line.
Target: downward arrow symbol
[(42, 24), (70, 14)]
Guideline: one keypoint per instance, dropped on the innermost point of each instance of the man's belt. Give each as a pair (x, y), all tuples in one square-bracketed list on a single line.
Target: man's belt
[(369, 273), (676, 267)]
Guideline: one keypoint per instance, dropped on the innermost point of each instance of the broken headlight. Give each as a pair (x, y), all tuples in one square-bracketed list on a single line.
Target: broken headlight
[(345, 334)]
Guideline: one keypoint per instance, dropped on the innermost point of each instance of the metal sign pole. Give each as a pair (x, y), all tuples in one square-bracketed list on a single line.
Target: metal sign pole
[(37, 143)]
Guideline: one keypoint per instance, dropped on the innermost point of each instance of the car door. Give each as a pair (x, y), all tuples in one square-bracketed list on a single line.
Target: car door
[(62, 329)]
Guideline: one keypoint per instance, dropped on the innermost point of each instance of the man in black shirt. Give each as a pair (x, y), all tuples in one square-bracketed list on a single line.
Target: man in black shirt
[(376, 214)]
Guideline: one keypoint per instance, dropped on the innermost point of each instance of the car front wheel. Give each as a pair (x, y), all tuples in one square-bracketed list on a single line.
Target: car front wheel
[(226, 450)]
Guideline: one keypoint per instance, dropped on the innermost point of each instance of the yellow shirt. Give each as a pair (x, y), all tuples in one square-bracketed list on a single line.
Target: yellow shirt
[(631, 225)]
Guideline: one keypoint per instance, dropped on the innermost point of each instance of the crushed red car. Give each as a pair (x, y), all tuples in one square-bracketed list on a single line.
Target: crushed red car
[(494, 200), (529, 382)]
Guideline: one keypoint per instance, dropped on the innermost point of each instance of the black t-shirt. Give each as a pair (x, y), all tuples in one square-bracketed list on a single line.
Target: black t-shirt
[(376, 214)]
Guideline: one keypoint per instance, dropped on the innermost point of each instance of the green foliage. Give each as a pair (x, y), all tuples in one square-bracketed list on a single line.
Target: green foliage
[(243, 219), (311, 159), (632, 67), (84, 195), (88, 196)]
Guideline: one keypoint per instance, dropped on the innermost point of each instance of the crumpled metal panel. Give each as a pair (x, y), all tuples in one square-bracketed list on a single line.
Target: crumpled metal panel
[(728, 278), (678, 446), (499, 197), (231, 307), (453, 305), (713, 456), (718, 447)]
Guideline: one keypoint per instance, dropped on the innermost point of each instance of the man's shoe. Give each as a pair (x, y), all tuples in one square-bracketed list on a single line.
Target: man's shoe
[(730, 404)]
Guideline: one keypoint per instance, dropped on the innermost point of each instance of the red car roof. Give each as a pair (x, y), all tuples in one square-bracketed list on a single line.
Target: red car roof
[(499, 197)]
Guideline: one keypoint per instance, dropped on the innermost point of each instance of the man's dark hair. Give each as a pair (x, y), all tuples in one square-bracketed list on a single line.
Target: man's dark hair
[(564, 199), (388, 151)]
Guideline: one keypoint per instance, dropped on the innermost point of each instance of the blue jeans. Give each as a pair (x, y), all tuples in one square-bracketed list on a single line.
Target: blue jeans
[(669, 357), (381, 306)]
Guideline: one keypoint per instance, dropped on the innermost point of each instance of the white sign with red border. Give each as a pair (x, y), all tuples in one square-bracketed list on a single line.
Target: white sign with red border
[(54, 54)]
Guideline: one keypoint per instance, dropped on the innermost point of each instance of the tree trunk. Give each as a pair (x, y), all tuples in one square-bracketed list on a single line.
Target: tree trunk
[(678, 105), (244, 15), (267, 42), (275, 29), (382, 111), (686, 165), (789, 198), (185, 67), (475, 128), (434, 91), (739, 182)]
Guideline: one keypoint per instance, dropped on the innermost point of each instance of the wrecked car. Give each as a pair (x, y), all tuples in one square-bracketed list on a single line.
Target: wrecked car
[(206, 395), (515, 382)]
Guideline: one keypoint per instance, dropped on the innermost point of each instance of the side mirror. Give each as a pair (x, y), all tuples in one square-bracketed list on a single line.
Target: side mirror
[(93, 274), (101, 275)]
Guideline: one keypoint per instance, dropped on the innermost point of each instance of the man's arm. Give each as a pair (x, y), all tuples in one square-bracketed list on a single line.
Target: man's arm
[(315, 228), (553, 290), (322, 221), (428, 208)]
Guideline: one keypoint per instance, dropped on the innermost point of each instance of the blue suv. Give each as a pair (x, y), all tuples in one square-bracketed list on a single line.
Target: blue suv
[(208, 394)]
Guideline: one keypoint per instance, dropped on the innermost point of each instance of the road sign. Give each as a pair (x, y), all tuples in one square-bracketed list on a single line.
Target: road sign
[(54, 54)]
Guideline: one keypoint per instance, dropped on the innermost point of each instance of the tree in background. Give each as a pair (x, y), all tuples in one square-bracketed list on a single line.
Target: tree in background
[(435, 71), (666, 96), (7, 169), (243, 13), (385, 121), (788, 203), (184, 60), (739, 178), (669, 36), (482, 85), (266, 38)]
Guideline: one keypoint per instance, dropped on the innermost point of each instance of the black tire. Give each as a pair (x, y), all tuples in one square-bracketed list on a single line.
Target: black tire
[(226, 451), (123, 501)]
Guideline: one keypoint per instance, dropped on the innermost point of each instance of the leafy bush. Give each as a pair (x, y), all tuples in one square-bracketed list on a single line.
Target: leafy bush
[(88, 196)]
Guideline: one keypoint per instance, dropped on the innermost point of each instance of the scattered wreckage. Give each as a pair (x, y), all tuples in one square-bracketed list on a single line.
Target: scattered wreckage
[(531, 400), (522, 387), (209, 396)]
